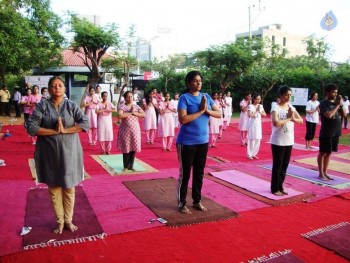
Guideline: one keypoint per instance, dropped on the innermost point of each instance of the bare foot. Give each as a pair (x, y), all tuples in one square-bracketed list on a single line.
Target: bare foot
[(284, 192), (323, 178), (71, 227), (328, 177), (200, 207), (125, 170), (185, 210), (59, 229), (278, 193)]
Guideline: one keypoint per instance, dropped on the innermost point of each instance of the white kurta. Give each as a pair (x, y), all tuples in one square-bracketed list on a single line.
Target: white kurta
[(254, 124), (243, 117)]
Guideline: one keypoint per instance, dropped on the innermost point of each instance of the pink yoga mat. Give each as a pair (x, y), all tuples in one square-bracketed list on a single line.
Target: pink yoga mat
[(253, 184)]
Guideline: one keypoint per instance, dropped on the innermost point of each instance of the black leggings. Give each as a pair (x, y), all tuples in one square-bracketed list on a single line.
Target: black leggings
[(128, 160), (281, 157), (191, 156)]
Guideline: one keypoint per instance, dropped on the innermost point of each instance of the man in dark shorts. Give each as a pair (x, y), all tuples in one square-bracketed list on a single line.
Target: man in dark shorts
[(331, 111)]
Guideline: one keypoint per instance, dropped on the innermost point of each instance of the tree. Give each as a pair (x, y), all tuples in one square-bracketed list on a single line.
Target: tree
[(122, 61), (264, 75), (29, 36), (167, 68), (316, 48), (92, 42), (228, 62)]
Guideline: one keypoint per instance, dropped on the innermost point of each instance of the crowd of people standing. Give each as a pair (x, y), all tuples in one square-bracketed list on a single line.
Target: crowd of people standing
[(201, 119)]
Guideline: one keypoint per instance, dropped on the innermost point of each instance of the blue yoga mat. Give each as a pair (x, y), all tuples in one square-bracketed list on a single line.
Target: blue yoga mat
[(113, 164)]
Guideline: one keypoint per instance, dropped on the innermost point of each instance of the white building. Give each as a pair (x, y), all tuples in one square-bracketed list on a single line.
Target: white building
[(292, 43), (160, 46)]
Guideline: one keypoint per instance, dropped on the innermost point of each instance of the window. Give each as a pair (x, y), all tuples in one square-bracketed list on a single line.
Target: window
[(80, 80), (273, 39), (284, 41)]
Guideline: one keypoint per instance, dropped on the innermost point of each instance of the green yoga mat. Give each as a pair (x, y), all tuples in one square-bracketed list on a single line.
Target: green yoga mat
[(113, 164)]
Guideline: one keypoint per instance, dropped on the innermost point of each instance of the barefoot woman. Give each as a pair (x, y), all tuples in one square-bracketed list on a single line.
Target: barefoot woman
[(194, 109), (283, 116), (58, 152)]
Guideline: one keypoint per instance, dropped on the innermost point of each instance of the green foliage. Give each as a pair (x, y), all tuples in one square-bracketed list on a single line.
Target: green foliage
[(122, 61), (227, 63), (93, 37), (92, 42), (166, 69), (176, 84), (28, 37), (316, 48), (341, 76)]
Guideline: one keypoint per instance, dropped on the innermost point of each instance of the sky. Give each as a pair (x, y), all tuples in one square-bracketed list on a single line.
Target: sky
[(197, 25)]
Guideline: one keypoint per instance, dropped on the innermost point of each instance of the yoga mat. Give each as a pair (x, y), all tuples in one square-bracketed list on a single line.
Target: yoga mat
[(113, 164), (334, 237), (334, 165), (312, 176), (160, 196), (345, 156), (41, 218), (32, 168), (299, 146), (258, 186)]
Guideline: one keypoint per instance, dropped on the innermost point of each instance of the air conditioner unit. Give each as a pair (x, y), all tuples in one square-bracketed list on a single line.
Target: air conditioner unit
[(109, 78)]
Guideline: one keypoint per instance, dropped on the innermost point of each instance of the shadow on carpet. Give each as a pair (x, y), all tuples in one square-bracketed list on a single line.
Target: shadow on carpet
[(41, 218), (334, 237), (113, 164), (160, 196)]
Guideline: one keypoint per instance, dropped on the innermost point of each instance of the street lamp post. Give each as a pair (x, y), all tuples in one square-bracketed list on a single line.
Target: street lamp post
[(250, 18)]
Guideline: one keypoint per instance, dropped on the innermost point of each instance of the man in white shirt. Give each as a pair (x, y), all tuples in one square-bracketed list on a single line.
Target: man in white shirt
[(16, 101), (228, 100)]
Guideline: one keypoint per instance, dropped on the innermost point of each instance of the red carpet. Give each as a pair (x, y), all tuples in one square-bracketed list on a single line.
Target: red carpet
[(253, 234), (260, 230)]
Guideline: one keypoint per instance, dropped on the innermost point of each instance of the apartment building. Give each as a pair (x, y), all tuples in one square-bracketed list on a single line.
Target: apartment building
[(291, 42)]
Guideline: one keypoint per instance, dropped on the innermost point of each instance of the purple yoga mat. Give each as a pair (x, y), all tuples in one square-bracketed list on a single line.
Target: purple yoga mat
[(253, 184), (41, 218), (334, 237), (310, 175)]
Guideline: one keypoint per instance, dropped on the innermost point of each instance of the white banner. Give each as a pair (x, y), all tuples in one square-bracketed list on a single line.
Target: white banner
[(300, 96)]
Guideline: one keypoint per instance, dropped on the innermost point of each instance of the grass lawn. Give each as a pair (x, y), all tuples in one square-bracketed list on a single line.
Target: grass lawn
[(345, 139)]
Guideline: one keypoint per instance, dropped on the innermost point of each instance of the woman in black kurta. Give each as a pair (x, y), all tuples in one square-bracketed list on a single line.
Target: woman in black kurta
[(58, 152)]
